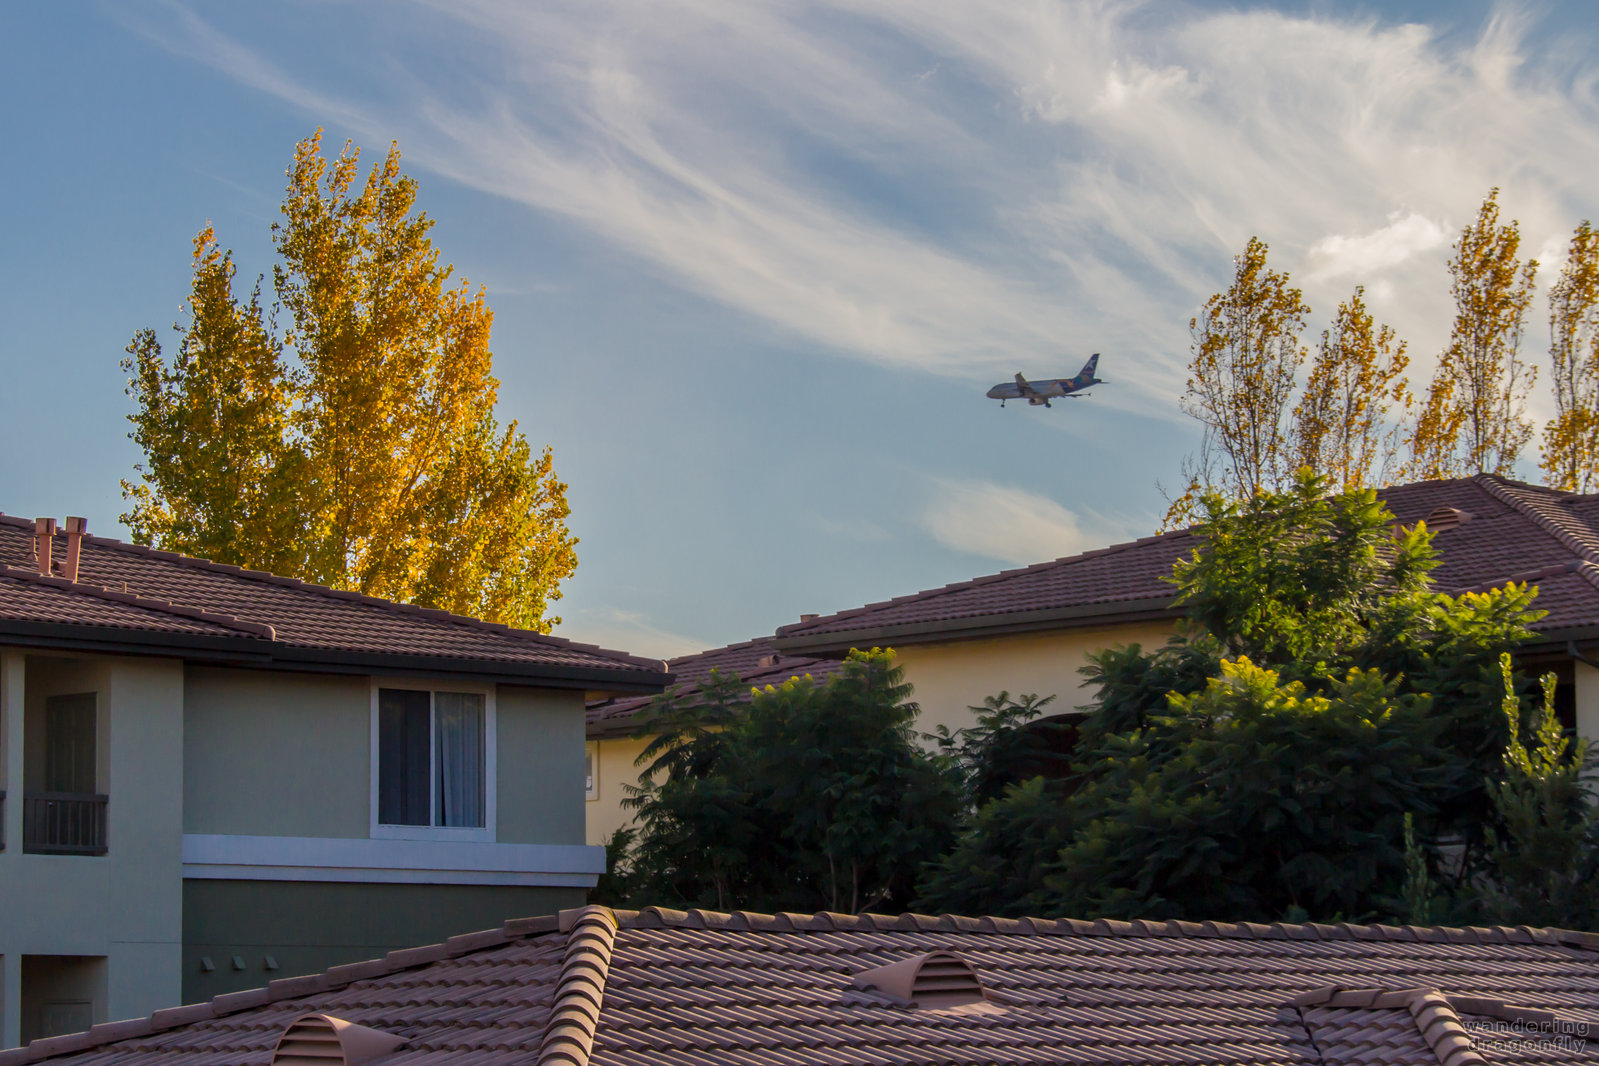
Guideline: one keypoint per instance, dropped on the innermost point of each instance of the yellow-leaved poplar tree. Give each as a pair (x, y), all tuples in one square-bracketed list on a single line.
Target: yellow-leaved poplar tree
[(1246, 352), (217, 478), (1342, 427), (1571, 439), (1473, 419), (388, 473)]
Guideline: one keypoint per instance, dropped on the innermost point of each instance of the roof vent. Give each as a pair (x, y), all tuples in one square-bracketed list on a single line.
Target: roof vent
[(768, 660), (937, 980), (323, 1040), (1443, 518), (809, 617)]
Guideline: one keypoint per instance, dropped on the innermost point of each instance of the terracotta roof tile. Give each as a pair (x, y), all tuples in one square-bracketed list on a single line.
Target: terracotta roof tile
[(757, 662), (1510, 531), (603, 988), (132, 592)]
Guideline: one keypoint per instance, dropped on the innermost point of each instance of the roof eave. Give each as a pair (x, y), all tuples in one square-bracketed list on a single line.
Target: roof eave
[(1077, 617), (271, 655), (542, 675), (60, 636)]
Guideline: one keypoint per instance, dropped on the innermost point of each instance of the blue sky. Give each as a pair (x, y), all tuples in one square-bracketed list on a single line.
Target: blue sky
[(753, 266)]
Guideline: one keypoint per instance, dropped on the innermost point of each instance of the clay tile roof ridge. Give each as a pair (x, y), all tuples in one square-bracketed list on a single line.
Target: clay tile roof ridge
[(1531, 501), (663, 917), (331, 979), (580, 988), (148, 603), (1003, 575), (1436, 1016), (211, 566)]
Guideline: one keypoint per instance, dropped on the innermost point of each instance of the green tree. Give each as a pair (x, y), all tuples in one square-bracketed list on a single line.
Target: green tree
[(1473, 419), (814, 797), (1544, 853), (1341, 426), (358, 448), (1010, 743), (1261, 764), (1571, 439)]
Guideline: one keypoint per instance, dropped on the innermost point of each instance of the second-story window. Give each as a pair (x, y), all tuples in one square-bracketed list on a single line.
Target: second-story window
[(431, 756)]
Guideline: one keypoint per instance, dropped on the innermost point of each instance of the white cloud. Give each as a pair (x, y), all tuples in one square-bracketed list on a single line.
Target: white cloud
[(629, 631), (1079, 171), (1364, 255), (999, 522)]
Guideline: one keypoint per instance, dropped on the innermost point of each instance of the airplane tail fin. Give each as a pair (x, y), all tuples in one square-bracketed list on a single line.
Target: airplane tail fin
[(1089, 367)]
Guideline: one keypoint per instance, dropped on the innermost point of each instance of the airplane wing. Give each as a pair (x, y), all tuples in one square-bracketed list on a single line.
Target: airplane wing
[(1021, 383)]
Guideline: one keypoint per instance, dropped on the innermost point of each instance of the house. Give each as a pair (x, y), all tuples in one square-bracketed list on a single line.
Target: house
[(595, 987), (210, 776), (1030, 630), (613, 746)]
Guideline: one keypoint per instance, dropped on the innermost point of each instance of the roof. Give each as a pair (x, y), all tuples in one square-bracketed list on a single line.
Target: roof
[(757, 662), (132, 598), (1506, 531), (597, 987)]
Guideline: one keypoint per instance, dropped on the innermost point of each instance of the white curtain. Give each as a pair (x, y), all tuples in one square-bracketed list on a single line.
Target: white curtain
[(458, 740)]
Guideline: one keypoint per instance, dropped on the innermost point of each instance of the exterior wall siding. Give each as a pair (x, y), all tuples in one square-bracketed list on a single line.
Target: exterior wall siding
[(306, 928), (124, 906), (276, 754), (540, 766), (952, 677), (615, 769)]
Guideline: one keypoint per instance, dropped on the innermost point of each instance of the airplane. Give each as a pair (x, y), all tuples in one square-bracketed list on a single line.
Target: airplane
[(1041, 392)]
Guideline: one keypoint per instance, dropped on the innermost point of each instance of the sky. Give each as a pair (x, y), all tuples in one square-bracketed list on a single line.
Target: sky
[(753, 266)]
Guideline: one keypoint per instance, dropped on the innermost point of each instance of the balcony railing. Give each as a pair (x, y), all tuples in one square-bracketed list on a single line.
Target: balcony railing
[(63, 823)]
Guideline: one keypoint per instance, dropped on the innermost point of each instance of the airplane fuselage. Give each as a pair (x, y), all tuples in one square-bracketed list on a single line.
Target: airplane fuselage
[(1039, 393)]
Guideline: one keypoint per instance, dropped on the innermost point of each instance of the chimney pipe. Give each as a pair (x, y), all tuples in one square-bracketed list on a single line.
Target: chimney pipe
[(76, 529), (44, 531)]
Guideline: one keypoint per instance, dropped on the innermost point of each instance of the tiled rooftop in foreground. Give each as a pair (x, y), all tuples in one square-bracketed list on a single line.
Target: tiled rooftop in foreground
[(597, 987)]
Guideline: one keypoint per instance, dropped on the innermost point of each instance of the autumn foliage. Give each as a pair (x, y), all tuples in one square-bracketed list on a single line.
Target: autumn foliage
[(357, 446)]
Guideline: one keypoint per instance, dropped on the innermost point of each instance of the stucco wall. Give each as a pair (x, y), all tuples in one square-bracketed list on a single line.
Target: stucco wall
[(124, 906), (276, 754), (540, 766), (605, 813), (308, 927), (950, 678), (1587, 687)]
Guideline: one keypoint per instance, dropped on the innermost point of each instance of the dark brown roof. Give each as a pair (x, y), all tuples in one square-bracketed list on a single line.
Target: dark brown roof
[(1505, 531), (663, 988), (757, 663), (129, 597)]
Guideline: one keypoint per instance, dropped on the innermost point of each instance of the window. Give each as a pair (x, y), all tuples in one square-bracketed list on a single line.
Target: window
[(591, 771), (433, 755)]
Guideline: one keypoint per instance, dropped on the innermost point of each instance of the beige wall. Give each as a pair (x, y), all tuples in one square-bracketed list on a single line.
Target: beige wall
[(605, 813), (540, 776), (950, 678), (124, 907), (276, 754), (1587, 679)]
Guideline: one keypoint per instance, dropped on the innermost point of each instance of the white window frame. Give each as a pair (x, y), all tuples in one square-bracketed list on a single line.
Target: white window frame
[(591, 754), (381, 831)]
